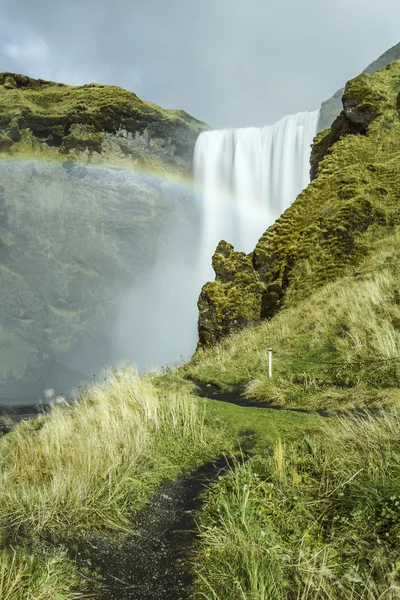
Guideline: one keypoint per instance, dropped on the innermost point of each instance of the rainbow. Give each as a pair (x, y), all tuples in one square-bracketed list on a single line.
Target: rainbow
[(130, 173)]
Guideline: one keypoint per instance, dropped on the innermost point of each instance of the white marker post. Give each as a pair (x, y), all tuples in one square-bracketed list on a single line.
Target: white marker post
[(270, 363)]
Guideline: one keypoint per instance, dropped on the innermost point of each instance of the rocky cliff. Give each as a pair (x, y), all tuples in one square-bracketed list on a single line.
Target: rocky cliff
[(86, 199), (354, 198), (331, 108)]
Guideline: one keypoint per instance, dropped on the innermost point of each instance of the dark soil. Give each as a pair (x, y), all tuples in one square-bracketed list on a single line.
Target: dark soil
[(207, 390), (10, 415)]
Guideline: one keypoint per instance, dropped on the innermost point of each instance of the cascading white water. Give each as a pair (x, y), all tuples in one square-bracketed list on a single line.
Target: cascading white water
[(249, 177)]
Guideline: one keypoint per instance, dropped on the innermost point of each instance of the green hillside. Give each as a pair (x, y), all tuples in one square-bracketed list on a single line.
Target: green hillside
[(92, 119), (323, 281), (308, 507)]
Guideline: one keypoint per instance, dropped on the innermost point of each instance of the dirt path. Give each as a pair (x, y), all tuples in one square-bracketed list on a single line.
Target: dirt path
[(235, 397), (154, 562), (206, 390)]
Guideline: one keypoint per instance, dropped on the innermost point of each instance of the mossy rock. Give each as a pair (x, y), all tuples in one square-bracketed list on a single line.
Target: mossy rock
[(330, 109), (326, 232), (234, 300)]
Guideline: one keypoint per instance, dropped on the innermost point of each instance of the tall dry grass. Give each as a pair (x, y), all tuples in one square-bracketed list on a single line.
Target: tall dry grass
[(89, 465), (24, 576)]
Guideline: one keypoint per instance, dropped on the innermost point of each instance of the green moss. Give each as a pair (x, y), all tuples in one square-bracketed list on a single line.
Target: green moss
[(234, 300)]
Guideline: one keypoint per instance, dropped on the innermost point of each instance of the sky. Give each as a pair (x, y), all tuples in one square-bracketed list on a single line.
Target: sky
[(230, 63)]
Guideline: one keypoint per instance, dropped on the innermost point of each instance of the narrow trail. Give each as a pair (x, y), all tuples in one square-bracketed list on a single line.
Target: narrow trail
[(154, 562), (212, 392)]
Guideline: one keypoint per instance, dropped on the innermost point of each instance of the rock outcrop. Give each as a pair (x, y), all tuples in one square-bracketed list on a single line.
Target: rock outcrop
[(331, 108), (232, 302), (354, 197)]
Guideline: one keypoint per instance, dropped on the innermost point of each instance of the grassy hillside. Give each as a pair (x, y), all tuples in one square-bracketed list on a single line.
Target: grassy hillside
[(310, 508), (339, 347), (87, 468), (315, 518)]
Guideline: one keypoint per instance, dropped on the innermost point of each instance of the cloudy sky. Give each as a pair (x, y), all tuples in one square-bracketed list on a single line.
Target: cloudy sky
[(231, 63)]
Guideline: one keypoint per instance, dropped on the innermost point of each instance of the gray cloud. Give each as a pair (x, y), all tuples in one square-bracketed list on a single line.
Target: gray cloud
[(227, 62)]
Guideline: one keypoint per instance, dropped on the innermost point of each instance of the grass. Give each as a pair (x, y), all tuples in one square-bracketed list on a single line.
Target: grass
[(310, 510), (311, 513), (313, 518), (90, 465), (50, 577)]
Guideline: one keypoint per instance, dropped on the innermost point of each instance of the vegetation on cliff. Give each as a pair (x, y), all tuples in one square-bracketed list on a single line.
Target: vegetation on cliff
[(315, 517), (38, 114), (311, 509)]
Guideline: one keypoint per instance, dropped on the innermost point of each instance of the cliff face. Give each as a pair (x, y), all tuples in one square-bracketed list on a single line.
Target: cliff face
[(75, 232), (326, 232), (331, 108)]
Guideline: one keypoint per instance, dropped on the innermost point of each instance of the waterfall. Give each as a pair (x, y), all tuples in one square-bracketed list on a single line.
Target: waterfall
[(249, 177)]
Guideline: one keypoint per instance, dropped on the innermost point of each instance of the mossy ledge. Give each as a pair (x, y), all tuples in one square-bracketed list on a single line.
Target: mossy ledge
[(80, 119), (326, 233)]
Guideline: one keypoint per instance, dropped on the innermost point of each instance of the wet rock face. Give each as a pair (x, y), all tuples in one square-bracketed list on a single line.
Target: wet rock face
[(76, 235), (324, 233), (74, 239)]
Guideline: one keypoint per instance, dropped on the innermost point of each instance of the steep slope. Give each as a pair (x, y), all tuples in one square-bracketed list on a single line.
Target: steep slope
[(328, 231), (88, 195), (331, 108)]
